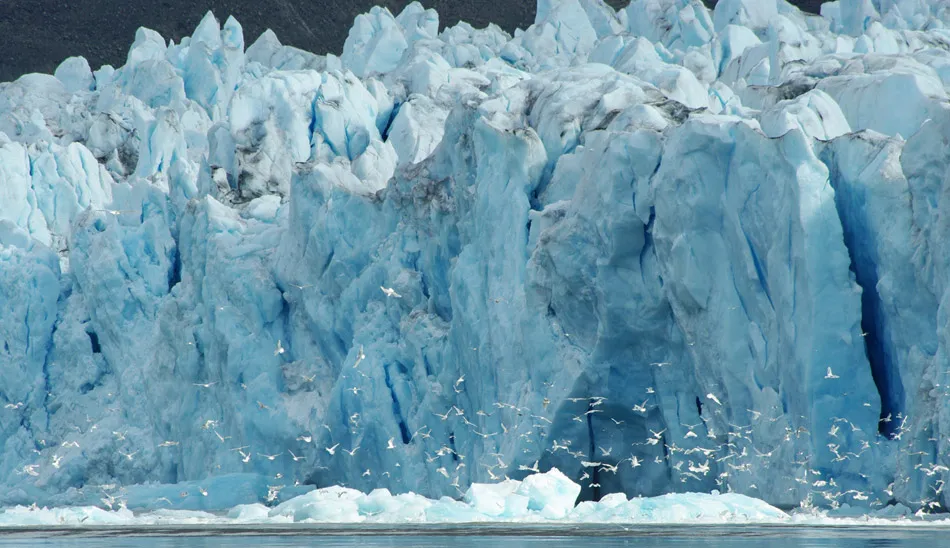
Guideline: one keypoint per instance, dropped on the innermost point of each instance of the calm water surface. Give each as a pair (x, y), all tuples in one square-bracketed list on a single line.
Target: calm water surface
[(480, 536)]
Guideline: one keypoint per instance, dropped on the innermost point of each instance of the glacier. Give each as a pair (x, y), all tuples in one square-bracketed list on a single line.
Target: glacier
[(662, 250)]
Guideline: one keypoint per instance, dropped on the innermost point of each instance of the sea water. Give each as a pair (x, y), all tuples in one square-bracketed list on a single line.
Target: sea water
[(479, 536)]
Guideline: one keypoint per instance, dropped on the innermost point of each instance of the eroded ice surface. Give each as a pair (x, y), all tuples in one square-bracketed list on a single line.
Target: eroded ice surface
[(663, 250)]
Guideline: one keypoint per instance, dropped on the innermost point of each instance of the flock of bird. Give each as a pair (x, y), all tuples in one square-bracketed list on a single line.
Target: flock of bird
[(702, 454)]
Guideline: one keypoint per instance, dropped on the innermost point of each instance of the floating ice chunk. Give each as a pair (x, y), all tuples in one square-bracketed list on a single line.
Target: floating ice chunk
[(381, 506), (678, 508), (84, 516), (448, 510), (338, 505), (552, 493), (330, 504), (252, 513), (491, 499)]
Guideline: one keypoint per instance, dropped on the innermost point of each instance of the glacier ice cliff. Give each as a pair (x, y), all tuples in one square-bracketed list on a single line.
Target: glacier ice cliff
[(661, 249)]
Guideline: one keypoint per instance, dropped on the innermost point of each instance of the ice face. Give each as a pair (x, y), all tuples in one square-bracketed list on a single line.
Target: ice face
[(661, 250)]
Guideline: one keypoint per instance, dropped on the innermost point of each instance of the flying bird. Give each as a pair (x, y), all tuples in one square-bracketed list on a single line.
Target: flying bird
[(533, 468), (390, 292), (360, 356)]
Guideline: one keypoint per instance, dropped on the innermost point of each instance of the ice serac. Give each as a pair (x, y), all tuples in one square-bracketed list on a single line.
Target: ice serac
[(660, 250)]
